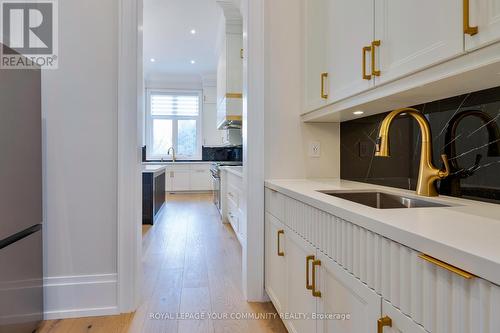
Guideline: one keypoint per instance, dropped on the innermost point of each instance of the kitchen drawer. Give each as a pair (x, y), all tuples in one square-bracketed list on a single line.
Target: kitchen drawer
[(233, 216), (200, 167), (275, 204), (178, 167), (233, 195), (234, 180)]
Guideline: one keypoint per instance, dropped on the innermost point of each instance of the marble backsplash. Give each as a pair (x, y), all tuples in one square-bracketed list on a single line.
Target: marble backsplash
[(465, 127)]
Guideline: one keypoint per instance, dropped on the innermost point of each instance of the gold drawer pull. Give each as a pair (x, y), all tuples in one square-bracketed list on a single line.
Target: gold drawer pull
[(324, 76), (315, 292), (280, 253), (308, 285), (383, 322), (467, 28), (448, 267), (366, 76), (375, 44)]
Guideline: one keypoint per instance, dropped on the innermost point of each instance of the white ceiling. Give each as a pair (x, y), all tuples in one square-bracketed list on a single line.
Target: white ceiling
[(167, 38)]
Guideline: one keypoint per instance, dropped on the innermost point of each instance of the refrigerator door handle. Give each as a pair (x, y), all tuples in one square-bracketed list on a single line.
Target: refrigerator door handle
[(20, 235)]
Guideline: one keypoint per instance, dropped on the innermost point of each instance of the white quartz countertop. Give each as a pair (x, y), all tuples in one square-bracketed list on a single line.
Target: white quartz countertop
[(236, 170), (466, 235), (150, 168)]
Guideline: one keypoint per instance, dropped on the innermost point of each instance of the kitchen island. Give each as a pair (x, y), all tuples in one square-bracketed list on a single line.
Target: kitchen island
[(153, 192)]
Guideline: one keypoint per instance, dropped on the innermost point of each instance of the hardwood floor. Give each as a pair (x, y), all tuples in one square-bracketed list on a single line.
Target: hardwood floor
[(192, 266)]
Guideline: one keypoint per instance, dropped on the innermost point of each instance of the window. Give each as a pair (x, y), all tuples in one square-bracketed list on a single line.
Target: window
[(173, 119)]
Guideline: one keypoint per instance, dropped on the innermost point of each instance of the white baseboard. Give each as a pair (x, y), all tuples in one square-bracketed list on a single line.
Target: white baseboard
[(80, 296)]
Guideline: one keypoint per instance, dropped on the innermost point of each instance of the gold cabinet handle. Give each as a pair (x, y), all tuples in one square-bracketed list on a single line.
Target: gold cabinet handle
[(467, 28), (448, 267), (315, 292), (383, 322), (375, 44), (324, 76), (308, 285), (366, 49), (280, 253)]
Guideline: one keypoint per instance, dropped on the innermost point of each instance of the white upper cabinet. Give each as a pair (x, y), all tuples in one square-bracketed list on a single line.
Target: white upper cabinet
[(315, 55), (484, 15), (209, 95), (415, 34), (349, 29), (343, 294)]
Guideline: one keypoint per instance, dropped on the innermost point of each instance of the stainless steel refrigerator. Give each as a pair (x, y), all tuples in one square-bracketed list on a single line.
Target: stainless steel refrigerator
[(21, 269)]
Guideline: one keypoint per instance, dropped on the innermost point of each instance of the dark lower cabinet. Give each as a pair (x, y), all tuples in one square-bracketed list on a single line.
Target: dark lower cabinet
[(153, 195)]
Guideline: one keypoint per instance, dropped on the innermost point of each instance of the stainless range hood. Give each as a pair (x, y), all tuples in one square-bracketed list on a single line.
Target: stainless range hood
[(230, 122), (229, 112)]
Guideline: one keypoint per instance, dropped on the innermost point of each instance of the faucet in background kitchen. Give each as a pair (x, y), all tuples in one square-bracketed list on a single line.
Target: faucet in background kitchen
[(451, 185), (173, 153), (428, 173)]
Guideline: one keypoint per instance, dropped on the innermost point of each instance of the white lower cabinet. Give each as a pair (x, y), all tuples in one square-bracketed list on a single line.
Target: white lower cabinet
[(276, 250), (183, 177), (179, 180), (233, 204), (347, 279), (348, 305), (311, 289), (397, 322), (300, 299)]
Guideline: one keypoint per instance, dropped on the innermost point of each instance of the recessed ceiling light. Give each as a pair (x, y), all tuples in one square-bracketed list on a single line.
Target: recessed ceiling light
[(193, 62), (152, 59), (193, 32), (357, 113)]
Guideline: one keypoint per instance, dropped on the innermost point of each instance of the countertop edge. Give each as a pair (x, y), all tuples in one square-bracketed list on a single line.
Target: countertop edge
[(477, 265), (232, 170)]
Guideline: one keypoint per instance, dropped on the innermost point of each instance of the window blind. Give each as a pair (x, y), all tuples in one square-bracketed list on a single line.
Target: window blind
[(175, 105)]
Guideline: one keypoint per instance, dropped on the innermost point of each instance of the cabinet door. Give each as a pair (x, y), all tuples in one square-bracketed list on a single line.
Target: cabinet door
[(343, 294), (400, 323), (315, 56), (485, 15), (234, 63), (350, 28), (210, 95), (275, 262), (211, 135), (416, 34), (300, 300), (221, 75), (200, 179), (180, 181)]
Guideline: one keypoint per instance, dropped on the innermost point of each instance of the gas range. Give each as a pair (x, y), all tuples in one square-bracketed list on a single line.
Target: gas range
[(214, 169)]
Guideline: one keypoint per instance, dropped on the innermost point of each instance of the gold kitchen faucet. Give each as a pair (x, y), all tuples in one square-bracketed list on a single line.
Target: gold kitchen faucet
[(428, 173)]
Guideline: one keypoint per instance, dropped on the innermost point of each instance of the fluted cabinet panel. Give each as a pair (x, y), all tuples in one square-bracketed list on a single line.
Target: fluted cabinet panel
[(436, 299)]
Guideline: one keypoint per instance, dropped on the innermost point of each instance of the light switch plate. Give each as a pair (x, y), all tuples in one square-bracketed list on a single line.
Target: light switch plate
[(314, 149)]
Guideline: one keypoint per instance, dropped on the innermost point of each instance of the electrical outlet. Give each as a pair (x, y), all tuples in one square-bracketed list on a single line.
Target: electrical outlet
[(314, 149)]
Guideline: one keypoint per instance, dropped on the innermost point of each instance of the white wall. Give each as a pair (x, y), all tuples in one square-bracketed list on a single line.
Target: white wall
[(287, 138), (273, 73), (179, 81), (80, 162)]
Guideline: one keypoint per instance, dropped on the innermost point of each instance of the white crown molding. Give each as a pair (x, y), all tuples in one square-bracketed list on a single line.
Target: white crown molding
[(231, 12)]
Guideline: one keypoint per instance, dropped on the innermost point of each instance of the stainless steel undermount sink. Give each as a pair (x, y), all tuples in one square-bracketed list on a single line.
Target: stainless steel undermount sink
[(381, 200)]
